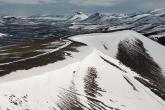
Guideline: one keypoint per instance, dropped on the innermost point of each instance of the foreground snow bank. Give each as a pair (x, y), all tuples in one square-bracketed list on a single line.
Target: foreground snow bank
[(1, 34), (91, 79), (96, 82)]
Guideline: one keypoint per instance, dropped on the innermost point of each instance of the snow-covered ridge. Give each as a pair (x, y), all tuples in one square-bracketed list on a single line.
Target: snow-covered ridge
[(111, 41), (93, 78), (51, 90), (78, 16), (130, 48)]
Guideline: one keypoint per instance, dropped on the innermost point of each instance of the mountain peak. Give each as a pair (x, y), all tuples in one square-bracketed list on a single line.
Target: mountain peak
[(79, 13), (78, 16)]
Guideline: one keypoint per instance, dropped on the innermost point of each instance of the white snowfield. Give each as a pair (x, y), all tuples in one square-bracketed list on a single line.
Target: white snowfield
[(111, 40), (90, 80), (1, 35)]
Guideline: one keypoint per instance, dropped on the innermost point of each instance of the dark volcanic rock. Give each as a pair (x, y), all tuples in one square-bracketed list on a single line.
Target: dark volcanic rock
[(133, 54)]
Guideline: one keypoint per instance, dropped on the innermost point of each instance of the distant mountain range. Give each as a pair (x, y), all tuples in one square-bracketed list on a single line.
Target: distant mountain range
[(151, 23)]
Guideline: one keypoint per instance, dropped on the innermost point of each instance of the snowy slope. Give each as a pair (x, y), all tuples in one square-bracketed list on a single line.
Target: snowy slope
[(134, 50), (2, 35), (78, 16), (92, 79), (52, 91), (111, 41)]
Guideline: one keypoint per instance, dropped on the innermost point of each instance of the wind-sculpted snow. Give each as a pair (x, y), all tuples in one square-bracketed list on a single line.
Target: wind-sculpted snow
[(71, 100), (136, 52), (90, 84), (134, 55), (93, 76), (112, 40)]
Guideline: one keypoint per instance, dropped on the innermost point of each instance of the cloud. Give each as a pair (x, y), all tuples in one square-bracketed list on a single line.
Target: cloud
[(94, 2), (31, 7), (26, 1), (77, 2)]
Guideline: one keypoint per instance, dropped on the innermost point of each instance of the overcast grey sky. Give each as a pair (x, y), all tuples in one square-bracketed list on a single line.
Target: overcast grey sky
[(55, 7)]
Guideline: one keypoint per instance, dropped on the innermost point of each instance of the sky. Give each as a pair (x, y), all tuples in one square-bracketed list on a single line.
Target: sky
[(61, 7)]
